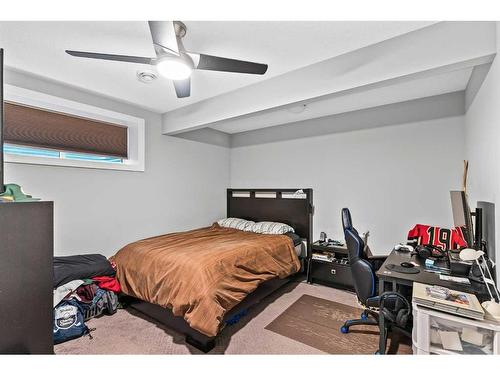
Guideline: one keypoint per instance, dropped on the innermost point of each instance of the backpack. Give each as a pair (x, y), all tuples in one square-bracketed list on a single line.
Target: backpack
[(68, 321), (105, 302)]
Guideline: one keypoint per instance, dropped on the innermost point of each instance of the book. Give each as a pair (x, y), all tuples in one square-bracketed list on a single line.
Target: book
[(323, 257), (448, 300), (455, 279)]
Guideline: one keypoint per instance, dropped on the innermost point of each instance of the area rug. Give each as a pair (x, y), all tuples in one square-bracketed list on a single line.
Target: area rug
[(316, 322)]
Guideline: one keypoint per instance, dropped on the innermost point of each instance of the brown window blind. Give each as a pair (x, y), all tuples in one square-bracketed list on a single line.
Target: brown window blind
[(36, 127)]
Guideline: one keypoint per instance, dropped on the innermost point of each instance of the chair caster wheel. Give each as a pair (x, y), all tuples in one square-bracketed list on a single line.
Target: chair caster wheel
[(364, 316), (344, 329)]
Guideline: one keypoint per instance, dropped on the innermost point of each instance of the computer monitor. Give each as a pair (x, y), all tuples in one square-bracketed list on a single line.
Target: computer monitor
[(488, 230), (462, 216)]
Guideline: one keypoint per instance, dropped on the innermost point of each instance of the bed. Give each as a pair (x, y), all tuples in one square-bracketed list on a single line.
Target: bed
[(196, 282)]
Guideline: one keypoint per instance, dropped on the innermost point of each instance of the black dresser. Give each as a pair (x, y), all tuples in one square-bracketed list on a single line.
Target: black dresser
[(26, 277)]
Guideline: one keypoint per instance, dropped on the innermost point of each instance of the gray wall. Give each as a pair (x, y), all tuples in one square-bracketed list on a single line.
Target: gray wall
[(182, 187), (391, 177), (483, 143)]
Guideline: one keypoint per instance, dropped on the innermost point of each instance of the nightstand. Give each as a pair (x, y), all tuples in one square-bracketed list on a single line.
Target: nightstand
[(332, 269)]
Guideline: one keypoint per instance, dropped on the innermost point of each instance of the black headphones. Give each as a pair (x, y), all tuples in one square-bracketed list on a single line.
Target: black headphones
[(430, 251), (399, 315)]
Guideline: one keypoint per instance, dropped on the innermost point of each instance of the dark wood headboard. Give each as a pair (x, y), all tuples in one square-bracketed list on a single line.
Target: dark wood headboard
[(281, 205)]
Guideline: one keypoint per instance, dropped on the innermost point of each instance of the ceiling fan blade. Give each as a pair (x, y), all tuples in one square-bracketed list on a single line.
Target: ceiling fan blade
[(208, 62), (106, 56), (183, 88), (163, 33)]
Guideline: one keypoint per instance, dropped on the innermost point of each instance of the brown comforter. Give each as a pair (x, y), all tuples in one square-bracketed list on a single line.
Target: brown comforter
[(202, 273)]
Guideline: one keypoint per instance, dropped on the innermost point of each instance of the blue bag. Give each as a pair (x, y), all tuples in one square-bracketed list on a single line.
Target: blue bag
[(68, 321)]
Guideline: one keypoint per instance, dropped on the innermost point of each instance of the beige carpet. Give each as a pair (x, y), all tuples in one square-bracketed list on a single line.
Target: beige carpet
[(128, 332), (316, 322)]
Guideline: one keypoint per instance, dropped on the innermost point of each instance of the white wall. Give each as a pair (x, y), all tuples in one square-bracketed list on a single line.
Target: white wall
[(482, 133), (391, 177), (99, 211), (184, 183)]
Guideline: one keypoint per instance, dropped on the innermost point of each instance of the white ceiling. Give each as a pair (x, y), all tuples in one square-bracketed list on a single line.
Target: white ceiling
[(433, 60), (38, 47), (402, 90)]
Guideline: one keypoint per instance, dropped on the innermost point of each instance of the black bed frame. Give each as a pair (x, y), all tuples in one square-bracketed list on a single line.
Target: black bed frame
[(281, 205)]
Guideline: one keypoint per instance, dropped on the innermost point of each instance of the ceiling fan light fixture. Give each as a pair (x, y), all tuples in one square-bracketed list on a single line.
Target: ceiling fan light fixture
[(175, 68), (173, 61)]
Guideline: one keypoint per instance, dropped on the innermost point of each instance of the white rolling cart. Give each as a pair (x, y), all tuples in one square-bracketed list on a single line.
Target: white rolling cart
[(476, 336)]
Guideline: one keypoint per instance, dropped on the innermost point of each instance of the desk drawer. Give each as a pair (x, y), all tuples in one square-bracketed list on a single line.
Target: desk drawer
[(332, 273)]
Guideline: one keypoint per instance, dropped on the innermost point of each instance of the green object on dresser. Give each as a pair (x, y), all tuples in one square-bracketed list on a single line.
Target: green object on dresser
[(14, 193)]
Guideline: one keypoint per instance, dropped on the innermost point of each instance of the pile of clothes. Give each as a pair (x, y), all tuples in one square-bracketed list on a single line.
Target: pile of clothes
[(84, 287)]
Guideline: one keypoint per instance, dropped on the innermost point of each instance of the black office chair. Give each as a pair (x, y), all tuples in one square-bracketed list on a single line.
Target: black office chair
[(390, 311), (375, 260)]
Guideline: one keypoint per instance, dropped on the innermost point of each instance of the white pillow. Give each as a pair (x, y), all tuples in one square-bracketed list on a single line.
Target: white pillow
[(271, 227), (233, 222)]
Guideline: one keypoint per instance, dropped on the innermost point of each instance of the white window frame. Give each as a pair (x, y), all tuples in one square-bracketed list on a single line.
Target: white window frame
[(135, 126)]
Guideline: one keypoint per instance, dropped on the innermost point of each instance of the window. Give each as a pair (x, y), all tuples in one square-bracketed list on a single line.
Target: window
[(11, 149), (42, 129)]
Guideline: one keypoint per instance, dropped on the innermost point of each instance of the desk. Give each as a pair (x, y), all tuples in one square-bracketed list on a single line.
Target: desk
[(395, 279)]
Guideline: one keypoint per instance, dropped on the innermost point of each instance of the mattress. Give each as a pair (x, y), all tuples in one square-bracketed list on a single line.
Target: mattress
[(203, 273), (297, 243), (298, 250)]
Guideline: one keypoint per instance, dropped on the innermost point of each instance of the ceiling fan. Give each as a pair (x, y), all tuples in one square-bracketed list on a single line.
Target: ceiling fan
[(173, 61)]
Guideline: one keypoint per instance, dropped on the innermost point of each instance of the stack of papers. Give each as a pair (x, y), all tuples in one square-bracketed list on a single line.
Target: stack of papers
[(455, 302)]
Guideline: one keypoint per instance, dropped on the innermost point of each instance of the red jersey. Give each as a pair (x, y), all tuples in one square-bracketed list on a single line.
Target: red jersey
[(446, 239)]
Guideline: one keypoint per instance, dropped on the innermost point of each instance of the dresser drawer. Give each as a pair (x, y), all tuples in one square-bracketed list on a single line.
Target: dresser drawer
[(26, 278), (332, 273)]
